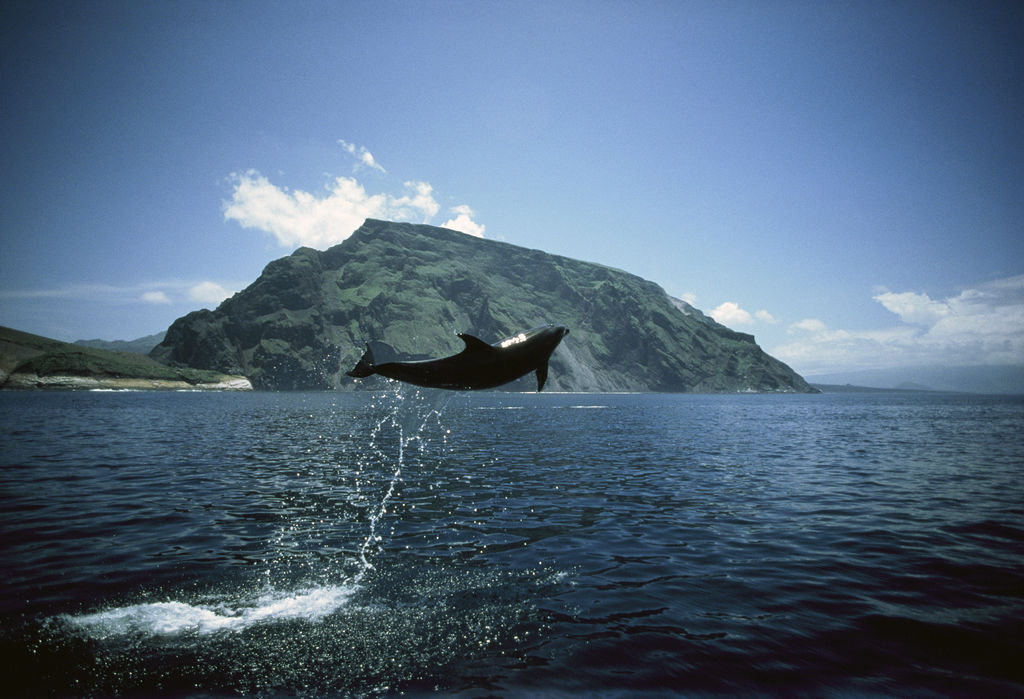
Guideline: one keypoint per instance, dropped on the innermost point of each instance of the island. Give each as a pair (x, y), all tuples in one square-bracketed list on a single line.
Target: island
[(308, 317)]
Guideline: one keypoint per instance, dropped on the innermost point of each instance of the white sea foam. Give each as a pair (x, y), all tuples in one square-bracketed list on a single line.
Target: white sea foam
[(168, 618)]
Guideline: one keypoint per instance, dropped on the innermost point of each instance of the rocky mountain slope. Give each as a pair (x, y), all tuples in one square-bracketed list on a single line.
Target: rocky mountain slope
[(304, 322)]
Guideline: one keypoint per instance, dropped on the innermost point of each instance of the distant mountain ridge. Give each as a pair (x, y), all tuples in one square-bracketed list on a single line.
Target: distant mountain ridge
[(1003, 379), (141, 345), (305, 320)]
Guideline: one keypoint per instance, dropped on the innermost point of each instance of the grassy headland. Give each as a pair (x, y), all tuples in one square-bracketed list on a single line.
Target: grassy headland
[(30, 361)]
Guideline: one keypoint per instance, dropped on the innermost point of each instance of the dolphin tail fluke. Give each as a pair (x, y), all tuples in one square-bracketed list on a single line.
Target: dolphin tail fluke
[(365, 367), (542, 376)]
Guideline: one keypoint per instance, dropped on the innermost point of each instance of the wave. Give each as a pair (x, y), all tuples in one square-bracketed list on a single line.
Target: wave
[(170, 618)]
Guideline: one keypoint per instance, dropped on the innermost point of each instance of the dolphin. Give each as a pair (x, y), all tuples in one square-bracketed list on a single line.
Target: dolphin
[(479, 365)]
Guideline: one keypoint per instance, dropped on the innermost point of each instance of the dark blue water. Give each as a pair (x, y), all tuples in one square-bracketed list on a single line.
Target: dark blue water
[(189, 544)]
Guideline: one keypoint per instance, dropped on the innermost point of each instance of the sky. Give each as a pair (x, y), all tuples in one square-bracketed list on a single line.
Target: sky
[(843, 180)]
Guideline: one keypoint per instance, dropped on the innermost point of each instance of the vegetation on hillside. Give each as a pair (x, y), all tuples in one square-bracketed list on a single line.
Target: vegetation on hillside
[(306, 319), (27, 354)]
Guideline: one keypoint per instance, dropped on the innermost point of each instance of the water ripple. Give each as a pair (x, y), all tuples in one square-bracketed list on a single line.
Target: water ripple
[(328, 544)]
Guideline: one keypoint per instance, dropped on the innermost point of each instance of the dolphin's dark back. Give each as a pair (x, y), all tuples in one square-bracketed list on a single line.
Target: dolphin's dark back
[(478, 366)]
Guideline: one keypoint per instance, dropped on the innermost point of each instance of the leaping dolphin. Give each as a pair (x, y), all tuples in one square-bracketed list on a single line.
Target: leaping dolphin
[(479, 365)]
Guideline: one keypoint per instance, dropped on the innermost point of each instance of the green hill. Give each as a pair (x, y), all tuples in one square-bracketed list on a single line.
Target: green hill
[(306, 319), (31, 361)]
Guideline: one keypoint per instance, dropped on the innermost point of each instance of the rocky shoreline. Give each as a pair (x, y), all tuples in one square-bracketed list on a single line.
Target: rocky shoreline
[(31, 362), (30, 382)]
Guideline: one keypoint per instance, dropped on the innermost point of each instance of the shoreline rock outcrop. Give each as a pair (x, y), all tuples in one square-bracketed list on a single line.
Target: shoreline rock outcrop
[(19, 381), (33, 362)]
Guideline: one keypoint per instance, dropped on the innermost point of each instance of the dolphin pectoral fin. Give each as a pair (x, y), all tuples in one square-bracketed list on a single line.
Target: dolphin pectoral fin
[(542, 376), (474, 344)]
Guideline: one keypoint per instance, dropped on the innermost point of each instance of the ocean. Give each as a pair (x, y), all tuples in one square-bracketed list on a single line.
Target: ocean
[(415, 542)]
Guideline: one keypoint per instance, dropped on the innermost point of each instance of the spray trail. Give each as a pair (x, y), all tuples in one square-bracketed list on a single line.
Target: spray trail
[(301, 581), (403, 413)]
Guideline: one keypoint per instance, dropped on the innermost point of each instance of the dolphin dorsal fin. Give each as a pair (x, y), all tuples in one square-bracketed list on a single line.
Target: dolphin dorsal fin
[(542, 376), (474, 344)]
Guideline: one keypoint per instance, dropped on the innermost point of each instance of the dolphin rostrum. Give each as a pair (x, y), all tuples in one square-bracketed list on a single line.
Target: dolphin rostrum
[(479, 365)]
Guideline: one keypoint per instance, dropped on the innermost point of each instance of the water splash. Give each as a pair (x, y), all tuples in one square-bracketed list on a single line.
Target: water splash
[(401, 419), (172, 618), (405, 410), (372, 538)]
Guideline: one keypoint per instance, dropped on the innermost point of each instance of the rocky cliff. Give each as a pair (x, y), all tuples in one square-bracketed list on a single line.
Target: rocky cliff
[(306, 319)]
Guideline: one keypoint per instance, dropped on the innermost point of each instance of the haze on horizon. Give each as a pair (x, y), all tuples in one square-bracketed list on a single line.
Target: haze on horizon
[(844, 182)]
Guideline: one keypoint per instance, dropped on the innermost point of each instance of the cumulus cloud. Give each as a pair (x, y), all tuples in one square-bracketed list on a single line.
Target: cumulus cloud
[(980, 325), (319, 221), (463, 221), (325, 218), (362, 156), (300, 218), (418, 205), (914, 308), (157, 297), (209, 293), (730, 313)]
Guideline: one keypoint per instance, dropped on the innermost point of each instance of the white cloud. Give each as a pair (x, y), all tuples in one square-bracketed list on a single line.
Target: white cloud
[(420, 205), (326, 218), (981, 325), (689, 297), (363, 156), (914, 308), (209, 293), (74, 292), (464, 222), (158, 297), (730, 313), (301, 218), (817, 347), (809, 324), (168, 291)]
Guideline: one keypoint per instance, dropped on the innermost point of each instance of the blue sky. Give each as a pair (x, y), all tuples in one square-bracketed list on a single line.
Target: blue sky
[(843, 180)]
